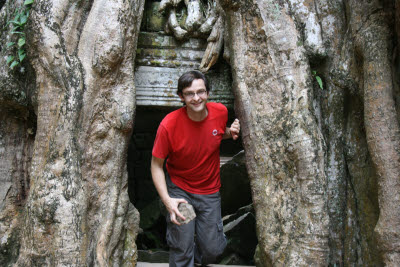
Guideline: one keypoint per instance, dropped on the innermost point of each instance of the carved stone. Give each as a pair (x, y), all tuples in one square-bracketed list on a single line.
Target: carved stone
[(161, 60)]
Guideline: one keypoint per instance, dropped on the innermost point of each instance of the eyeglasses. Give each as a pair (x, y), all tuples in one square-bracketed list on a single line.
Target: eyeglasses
[(200, 93)]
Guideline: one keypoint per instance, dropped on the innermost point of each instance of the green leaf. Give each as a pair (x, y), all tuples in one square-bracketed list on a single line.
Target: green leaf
[(21, 57), (21, 51), (15, 29), (319, 80), (9, 44), (23, 19), (15, 22), (17, 16), (28, 2), (15, 63), (21, 41), (9, 59), (17, 32)]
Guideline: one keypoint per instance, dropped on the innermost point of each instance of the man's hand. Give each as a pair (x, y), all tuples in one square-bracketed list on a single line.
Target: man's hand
[(158, 176), (172, 206), (235, 129)]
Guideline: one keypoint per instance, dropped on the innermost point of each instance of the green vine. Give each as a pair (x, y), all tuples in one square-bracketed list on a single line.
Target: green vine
[(319, 80), (17, 52)]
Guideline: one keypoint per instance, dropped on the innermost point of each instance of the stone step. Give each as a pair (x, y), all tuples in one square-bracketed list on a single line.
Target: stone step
[(146, 264), (224, 160)]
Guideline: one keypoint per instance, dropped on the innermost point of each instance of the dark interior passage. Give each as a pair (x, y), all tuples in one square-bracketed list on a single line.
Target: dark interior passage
[(235, 191), (160, 60)]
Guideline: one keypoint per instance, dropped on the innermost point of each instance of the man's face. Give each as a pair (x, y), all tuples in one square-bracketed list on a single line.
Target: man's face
[(195, 96)]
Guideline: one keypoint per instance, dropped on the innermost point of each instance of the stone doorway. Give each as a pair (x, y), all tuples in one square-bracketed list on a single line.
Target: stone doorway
[(235, 193), (160, 60)]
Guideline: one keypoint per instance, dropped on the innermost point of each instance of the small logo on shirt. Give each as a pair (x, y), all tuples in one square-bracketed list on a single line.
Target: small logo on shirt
[(215, 132)]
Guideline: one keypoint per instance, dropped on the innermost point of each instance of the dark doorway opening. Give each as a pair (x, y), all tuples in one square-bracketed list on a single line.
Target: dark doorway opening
[(235, 191), (160, 60)]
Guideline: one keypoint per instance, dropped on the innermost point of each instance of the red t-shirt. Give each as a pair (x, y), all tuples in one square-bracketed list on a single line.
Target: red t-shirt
[(192, 148)]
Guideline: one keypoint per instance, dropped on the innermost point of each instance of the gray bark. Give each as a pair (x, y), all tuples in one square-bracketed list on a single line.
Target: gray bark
[(371, 30), (78, 211), (17, 133), (314, 182), (283, 144)]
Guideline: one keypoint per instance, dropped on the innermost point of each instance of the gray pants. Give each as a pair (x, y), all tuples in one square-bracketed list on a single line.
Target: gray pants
[(202, 240)]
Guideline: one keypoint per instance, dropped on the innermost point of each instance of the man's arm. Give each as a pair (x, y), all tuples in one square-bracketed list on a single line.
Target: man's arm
[(157, 172), (233, 131)]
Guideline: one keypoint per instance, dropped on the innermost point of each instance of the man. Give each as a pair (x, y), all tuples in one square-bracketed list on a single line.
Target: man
[(190, 137)]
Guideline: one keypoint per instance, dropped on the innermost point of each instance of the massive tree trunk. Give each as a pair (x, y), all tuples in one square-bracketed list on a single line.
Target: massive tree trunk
[(78, 211), (314, 180), (17, 132), (284, 146), (373, 39)]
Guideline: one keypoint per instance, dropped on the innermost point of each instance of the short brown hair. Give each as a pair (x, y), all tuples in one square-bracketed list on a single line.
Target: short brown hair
[(187, 78)]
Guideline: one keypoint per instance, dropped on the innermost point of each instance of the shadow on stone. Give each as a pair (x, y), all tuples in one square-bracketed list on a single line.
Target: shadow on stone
[(235, 189), (153, 256), (240, 232)]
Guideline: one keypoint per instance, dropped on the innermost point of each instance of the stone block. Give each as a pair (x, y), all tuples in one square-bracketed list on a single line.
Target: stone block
[(153, 256), (153, 20), (240, 231), (235, 189), (161, 60), (187, 211)]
